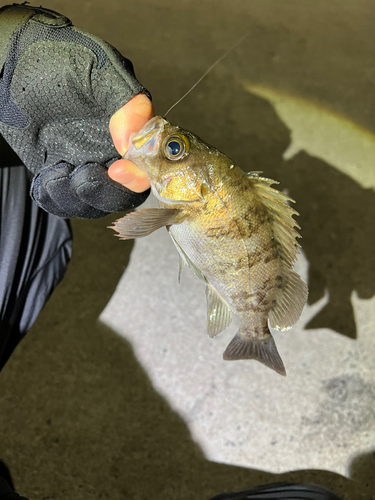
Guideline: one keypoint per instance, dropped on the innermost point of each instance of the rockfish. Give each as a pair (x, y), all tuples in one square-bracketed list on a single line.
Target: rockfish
[(233, 230)]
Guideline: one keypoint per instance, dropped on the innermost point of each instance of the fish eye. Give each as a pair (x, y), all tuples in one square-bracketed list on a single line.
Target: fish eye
[(175, 148)]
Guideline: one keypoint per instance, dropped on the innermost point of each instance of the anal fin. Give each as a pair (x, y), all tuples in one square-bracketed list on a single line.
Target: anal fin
[(144, 222), (262, 349), (219, 315)]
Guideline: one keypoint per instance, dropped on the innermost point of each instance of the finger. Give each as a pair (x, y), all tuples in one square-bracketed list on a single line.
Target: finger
[(129, 175), (129, 120)]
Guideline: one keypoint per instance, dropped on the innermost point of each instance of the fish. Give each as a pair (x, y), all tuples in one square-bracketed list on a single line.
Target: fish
[(235, 232)]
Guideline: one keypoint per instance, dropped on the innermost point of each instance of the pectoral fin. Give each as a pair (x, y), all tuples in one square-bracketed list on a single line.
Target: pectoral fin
[(142, 223), (219, 315)]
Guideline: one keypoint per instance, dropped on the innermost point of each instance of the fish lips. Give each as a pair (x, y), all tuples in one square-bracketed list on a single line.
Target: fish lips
[(146, 142)]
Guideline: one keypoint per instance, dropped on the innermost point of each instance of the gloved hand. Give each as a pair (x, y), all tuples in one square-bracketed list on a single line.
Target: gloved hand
[(59, 87)]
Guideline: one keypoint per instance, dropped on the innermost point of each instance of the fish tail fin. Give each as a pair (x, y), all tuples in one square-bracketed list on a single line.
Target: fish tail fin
[(261, 349)]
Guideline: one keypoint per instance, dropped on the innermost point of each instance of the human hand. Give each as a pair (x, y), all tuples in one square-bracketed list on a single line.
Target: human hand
[(59, 89), (123, 124)]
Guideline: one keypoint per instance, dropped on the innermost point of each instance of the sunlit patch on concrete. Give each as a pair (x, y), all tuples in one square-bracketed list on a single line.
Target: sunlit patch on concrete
[(324, 134), (241, 413)]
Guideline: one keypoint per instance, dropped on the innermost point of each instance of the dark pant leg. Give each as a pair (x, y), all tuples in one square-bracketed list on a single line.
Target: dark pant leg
[(7, 493), (35, 248)]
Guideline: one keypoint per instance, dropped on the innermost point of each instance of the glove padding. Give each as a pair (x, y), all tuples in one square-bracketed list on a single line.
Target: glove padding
[(87, 191), (58, 90)]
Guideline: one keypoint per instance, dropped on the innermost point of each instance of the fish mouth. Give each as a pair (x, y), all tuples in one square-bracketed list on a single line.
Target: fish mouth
[(146, 142)]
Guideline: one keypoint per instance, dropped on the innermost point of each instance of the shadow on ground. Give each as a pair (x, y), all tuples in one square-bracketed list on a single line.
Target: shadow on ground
[(336, 213), (79, 416)]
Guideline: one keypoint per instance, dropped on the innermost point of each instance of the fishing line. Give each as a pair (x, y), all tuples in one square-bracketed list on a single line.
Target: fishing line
[(209, 70)]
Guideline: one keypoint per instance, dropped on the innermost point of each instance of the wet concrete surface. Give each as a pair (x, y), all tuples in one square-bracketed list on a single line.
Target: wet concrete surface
[(88, 411)]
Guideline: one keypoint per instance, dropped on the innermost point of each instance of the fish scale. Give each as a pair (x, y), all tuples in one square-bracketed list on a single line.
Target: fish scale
[(233, 230)]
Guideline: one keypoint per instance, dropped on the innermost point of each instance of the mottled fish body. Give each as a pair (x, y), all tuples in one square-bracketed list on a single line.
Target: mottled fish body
[(231, 228)]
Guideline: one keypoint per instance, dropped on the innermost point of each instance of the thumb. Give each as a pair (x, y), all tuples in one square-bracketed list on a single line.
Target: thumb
[(127, 121)]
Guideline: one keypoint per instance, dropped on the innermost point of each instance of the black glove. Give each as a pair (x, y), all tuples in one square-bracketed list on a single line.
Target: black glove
[(59, 87)]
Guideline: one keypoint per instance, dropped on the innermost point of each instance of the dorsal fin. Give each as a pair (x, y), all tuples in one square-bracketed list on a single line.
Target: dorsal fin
[(291, 292), (281, 215)]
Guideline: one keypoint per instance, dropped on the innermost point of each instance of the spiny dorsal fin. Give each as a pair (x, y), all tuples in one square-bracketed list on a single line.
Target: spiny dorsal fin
[(291, 292), (281, 215)]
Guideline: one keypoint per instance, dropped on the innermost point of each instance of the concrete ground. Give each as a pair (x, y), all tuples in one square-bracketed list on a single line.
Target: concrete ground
[(117, 392)]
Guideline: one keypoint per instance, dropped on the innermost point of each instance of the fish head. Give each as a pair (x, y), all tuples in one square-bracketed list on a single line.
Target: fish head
[(176, 161)]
